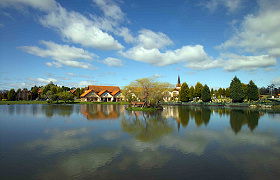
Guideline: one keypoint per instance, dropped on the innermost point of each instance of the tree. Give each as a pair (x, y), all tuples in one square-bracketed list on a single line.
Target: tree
[(252, 91), (34, 92), (66, 96), (148, 90), (191, 93), (205, 94), (236, 90), (184, 93), (227, 93), (198, 89), (12, 95)]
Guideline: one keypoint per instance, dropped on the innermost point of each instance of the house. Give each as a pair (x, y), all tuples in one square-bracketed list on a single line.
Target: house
[(102, 94)]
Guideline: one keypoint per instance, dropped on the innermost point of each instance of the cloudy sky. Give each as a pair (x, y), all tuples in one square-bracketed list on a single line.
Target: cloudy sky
[(113, 42)]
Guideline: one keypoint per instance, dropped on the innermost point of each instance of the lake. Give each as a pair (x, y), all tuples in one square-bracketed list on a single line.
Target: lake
[(91, 141)]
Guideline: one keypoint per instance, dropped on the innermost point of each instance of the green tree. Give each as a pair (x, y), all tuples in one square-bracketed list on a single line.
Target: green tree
[(227, 93), (66, 96), (191, 93), (34, 92), (236, 90), (252, 91), (12, 95), (184, 93), (198, 89), (205, 94)]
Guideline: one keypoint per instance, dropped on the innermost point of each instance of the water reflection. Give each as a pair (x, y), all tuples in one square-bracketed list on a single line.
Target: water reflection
[(211, 142), (146, 126), (202, 115), (100, 112)]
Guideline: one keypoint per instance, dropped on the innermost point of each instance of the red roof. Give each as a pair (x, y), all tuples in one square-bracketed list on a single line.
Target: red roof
[(101, 89)]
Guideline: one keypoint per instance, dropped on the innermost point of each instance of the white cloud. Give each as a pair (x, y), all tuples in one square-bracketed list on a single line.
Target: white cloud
[(44, 80), (237, 62), (149, 39), (231, 5), (259, 33), (110, 9), (62, 54), (113, 62), (44, 5), (155, 56), (79, 29)]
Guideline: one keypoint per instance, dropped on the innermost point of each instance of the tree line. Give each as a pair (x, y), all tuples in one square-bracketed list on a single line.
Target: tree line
[(49, 92), (237, 91)]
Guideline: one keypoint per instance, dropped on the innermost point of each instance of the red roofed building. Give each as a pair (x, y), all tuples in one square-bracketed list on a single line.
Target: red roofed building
[(102, 94)]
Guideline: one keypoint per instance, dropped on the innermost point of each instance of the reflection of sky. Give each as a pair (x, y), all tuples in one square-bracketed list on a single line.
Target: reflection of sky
[(80, 147)]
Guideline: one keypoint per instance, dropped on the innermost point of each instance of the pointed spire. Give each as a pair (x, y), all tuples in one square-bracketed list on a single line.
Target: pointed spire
[(179, 82)]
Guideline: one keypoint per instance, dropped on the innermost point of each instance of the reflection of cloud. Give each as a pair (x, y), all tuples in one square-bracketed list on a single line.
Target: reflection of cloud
[(61, 141), (82, 164), (111, 135), (196, 141)]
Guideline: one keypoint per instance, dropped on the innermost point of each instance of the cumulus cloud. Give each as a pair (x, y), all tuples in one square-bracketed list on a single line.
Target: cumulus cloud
[(113, 62), (149, 39), (45, 5), (231, 5), (77, 28), (156, 57), (62, 54), (260, 32)]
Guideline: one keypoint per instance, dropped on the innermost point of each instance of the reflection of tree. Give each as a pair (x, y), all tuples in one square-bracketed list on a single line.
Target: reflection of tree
[(184, 116), (205, 115), (239, 117), (61, 110), (98, 111), (146, 126)]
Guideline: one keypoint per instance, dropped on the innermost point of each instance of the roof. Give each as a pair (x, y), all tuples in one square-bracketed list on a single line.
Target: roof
[(110, 89), (86, 92), (101, 89)]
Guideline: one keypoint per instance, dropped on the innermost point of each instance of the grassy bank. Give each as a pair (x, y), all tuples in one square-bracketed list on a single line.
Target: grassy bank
[(22, 102), (141, 109)]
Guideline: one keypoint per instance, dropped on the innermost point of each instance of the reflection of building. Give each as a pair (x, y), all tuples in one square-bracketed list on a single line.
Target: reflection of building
[(102, 94), (100, 112)]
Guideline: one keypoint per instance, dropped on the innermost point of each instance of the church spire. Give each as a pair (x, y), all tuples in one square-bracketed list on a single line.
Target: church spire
[(179, 82)]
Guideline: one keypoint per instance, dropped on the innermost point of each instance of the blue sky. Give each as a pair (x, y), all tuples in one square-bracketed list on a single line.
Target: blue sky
[(113, 42)]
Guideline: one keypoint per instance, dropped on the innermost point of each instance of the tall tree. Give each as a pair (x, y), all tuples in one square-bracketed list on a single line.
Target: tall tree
[(205, 94), (236, 90), (184, 93), (198, 89), (252, 91), (12, 95), (191, 93)]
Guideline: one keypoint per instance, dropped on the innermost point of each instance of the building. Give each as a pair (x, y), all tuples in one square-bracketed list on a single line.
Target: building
[(102, 94), (174, 94)]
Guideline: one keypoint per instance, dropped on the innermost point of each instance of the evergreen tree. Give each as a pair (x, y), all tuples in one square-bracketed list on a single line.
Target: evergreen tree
[(198, 89), (252, 91), (184, 91), (191, 93), (12, 95), (236, 90), (205, 94), (227, 93)]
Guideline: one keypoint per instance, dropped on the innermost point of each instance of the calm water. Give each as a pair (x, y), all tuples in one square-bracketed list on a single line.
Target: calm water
[(106, 142)]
